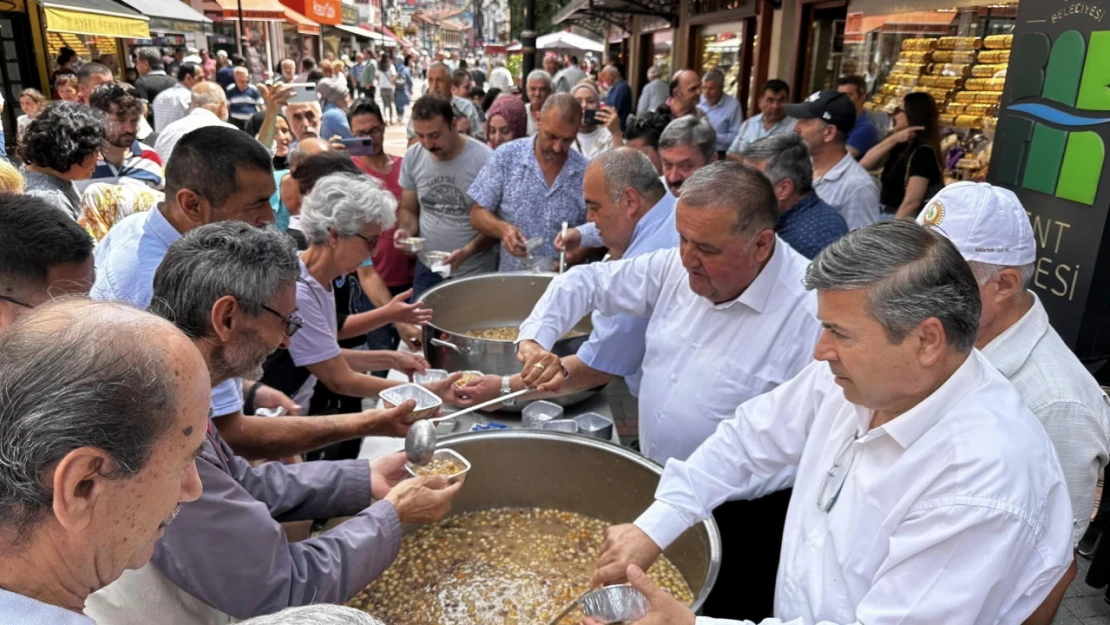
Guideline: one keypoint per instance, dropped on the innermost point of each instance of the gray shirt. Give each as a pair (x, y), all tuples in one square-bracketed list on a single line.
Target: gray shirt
[(849, 189), (655, 93), (58, 192), (441, 189), (567, 78), (20, 610), (228, 548)]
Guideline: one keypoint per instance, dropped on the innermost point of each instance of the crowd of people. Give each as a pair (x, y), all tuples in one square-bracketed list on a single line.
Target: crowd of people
[(852, 377)]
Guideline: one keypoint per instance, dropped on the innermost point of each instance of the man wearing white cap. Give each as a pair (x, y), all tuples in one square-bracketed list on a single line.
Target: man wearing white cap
[(990, 228)]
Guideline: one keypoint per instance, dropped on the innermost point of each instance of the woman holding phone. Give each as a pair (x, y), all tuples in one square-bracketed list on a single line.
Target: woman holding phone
[(910, 157)]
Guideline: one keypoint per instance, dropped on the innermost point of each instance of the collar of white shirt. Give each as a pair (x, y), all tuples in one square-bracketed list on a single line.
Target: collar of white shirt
[(839, 169), (758, 292), (1009, 350)]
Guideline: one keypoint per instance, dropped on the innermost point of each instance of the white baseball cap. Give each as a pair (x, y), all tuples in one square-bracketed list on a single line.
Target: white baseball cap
[(986, 223)]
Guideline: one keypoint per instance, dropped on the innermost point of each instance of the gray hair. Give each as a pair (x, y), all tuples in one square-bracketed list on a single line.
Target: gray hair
[(727, 183), (78, 373), (714, 75), (316, 614), (984, 272), (784, 155), (910, 274), (345, 203), (539, 74), (653, 72), (625, 167), (217, 260), (207, 95), (152, 56), (689, 130), (242, 69)]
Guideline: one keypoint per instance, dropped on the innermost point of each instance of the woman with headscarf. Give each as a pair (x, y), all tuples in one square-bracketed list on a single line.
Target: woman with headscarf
[(600, 128), (506, 120)]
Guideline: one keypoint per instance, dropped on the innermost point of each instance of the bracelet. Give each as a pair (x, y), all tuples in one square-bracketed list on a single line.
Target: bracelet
[(248, 401)]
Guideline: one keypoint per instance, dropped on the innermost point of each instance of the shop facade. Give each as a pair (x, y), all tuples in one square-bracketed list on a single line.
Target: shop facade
[(259, 31)]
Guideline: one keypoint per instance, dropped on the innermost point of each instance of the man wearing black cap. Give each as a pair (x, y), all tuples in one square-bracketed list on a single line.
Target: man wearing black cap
[(824, 121)]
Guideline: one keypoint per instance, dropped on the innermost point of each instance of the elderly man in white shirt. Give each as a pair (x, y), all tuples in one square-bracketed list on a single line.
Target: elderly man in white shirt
[(729, 319), (924, 490), (991, 229), (209, 108)]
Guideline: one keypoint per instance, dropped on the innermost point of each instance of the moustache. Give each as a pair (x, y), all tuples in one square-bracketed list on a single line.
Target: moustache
[(171, 517)]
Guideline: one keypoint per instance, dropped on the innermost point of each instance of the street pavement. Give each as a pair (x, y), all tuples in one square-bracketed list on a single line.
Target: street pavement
[(1082, 604)]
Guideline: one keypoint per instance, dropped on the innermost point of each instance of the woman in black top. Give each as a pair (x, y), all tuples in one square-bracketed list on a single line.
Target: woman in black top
[(910, 157)]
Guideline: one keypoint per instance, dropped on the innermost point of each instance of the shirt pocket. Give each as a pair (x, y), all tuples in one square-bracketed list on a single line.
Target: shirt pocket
[(731, 385)]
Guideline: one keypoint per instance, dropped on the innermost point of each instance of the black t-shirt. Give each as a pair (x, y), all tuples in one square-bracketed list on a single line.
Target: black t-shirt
[(919, 159)]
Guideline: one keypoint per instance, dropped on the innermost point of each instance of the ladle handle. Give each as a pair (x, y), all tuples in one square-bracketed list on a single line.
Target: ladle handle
[(447, 344), (484, 404), (563, 253)]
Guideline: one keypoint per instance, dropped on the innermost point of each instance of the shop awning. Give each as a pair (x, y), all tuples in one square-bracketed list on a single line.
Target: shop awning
[(102, 18), (253, 10), (327, 12), (359, 32), (171, 17), (304, 25), (616, 12), (563, 40)]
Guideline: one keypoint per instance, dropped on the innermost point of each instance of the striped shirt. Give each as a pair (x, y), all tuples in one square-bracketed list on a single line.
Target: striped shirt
[(141, 165), (171, 105), (243, 103)]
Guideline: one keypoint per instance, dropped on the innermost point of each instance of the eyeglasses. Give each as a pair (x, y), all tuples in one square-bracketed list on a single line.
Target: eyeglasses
[(15, 301), (837, 475), (371, 243), (373, 132), (292, 324)]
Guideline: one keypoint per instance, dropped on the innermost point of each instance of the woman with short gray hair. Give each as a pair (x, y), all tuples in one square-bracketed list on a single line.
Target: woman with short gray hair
[(342, 218)]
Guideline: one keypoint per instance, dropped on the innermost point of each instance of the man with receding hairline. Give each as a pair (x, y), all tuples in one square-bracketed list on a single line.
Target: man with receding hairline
[(531, 185), (441, 83), (208, 107)]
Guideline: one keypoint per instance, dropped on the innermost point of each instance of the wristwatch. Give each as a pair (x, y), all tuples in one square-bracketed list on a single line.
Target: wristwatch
[(507, 389)]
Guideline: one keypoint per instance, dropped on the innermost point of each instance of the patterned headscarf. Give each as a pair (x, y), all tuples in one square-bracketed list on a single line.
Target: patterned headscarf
[(512, 109)]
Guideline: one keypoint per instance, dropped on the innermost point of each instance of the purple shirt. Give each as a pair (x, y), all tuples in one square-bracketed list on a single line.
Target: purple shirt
[(228, 548), (512, 186), (317, 340)]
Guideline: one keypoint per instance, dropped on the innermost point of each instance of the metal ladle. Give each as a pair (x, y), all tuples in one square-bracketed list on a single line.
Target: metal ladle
[(421, 441)]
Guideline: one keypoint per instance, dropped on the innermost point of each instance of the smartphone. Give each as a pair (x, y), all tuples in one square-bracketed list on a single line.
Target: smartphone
[(303, 92), (591, 117), (359, 146)]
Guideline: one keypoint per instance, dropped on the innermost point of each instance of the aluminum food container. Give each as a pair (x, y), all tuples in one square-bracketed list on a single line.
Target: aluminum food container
[(615, 604), (411, 244), (491, 300), (533, 244), (595, 425), (446, 453), (540, 412), (427, 402), (430, 375), (516, 470), (431, 258), (561, 425), (460, 383)]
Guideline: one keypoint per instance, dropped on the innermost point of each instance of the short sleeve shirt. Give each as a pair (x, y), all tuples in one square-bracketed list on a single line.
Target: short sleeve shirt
[(512, 186), (317, 340)]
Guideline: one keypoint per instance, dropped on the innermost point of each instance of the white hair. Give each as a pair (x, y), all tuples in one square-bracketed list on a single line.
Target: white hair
[(317, 614), (242, 69), (539, 74), (985, 272), (345, 203)]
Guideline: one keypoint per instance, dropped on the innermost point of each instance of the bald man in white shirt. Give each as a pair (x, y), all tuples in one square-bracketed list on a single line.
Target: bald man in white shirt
[(925, 492), (728, 319), (991, 229)]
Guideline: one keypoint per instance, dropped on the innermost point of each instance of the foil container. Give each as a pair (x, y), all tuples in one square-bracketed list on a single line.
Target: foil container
[(412, 244), (561, 425), (460, 476), (540, 412), (595, 425), (427, 402), (429, 375), (615, 604)]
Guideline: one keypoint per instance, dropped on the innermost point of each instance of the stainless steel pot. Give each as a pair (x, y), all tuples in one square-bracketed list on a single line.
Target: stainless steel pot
[(536, 468), (493, 300)]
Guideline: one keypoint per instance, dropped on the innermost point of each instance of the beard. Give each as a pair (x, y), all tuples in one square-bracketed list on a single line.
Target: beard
[(243, 359), (122, 141)]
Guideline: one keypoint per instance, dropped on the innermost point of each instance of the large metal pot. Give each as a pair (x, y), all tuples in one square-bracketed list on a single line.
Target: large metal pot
[(545, 469), (493, 300)]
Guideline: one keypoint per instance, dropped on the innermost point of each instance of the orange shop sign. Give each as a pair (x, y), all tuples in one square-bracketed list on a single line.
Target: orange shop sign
[(321, 11)]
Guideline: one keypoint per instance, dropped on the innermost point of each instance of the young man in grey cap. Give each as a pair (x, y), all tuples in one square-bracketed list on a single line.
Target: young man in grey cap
[(824, 121), (990, 228)]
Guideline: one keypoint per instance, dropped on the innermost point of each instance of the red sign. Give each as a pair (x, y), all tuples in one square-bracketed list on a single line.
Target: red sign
[(321, 11)]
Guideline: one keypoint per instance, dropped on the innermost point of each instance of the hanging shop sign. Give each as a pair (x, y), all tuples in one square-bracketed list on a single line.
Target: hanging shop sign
[(1050, 149)]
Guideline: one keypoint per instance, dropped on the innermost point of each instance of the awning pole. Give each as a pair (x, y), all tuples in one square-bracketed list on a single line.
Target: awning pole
[(528, 41), (241, 29)]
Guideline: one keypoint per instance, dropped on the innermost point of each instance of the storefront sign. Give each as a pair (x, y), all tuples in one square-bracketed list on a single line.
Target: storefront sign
[(1050, 148), (350, 15), (78, 22), (322, 11), (165, 25)]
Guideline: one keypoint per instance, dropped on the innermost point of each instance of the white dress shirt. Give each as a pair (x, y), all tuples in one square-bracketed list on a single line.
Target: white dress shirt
[(1066, 399), (954, 512), (701, 359), (197, 118), (171, 105)]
